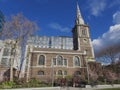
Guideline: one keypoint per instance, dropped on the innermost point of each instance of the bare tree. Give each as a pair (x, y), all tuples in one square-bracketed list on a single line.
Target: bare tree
[(19, 28), (109, 75), (109, 54)]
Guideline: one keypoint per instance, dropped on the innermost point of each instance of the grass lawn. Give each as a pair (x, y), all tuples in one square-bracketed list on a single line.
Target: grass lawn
[(110, 89)]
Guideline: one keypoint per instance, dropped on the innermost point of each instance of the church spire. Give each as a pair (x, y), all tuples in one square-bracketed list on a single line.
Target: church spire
[(79, 19)]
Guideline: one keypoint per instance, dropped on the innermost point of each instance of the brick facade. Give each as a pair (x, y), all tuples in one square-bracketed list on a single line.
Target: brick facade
[(49, 68), (55, 64)]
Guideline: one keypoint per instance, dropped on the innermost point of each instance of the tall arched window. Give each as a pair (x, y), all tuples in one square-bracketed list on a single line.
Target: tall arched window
[(65, 72), (59, 60), (40, 72), (65, 62), (41, 60), (54, 72), (76, 61), (60, 72)]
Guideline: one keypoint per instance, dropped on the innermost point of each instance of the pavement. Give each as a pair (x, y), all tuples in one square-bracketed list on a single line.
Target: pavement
[(88, 87)]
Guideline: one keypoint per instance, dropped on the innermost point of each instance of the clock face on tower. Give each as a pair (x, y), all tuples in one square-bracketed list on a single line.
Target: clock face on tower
[(85, 40)]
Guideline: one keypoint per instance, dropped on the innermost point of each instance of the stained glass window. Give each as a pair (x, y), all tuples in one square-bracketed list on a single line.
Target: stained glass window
[(65, 62), (76, 61), (60, 72), (65, 72), (41, 60), (54, 61), (59, 60)]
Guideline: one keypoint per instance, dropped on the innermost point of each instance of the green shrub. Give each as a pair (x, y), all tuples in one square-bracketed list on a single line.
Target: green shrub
[(36, 83), (101, 79), (101, 82), (116, 81), (69, 77), (1, 86), (17, 84), (8, 84), (59, 77)]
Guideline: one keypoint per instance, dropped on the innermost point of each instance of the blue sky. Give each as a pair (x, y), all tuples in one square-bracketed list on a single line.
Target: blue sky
[(57, 17)]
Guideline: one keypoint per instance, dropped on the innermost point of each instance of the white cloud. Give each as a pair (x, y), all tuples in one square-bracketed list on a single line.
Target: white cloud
[(116, 17), (111, 37), (59, 27), (97, 6)]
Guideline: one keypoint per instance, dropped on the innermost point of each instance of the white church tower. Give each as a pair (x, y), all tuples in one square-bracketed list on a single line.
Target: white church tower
[(81, 35)]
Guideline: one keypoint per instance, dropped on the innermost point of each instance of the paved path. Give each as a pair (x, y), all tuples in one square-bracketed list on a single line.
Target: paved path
[(91, 88), (88, 87)]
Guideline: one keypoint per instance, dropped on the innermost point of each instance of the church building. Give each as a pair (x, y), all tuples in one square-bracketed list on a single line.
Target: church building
[(54, 57)]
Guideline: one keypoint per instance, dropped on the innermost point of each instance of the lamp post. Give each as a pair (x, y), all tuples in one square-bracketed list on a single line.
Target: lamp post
[(28, 58), (52, 73), (87, 71), (118, 73), (11, 69), (11, 60), (86, 60), (13, 51)]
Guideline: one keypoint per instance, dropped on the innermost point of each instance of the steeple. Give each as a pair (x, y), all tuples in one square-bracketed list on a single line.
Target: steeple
[(79, 19), (81, 35)]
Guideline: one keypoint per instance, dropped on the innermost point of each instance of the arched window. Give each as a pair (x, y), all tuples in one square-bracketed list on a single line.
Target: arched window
[(76, 61), (40, 72), (41, 60), (54, 61), (59, 60), (65, 72), (83, 32), (60, 72), (54, 72), (65, 62)]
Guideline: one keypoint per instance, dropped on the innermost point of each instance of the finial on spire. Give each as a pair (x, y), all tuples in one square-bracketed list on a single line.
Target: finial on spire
[(79, 19)]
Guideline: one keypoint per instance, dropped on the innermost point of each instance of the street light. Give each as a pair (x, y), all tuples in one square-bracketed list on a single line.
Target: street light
[(28, 57), (52, 73), (13, 47), (86, 60), (87, 71)]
